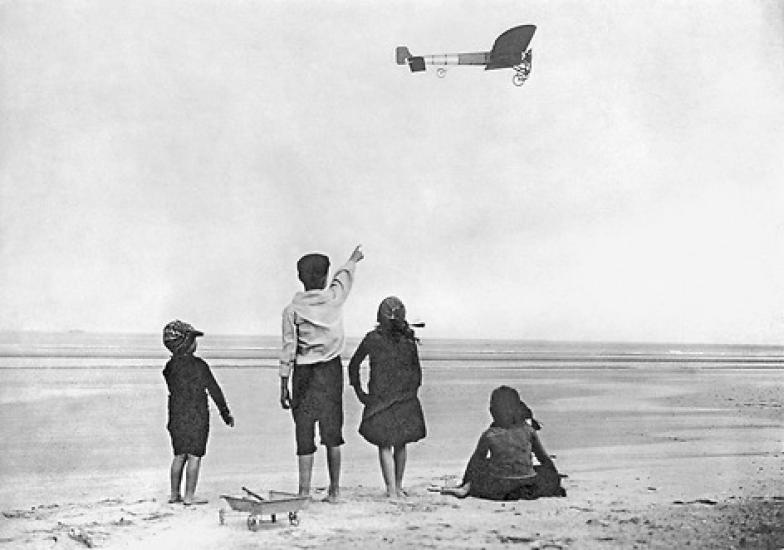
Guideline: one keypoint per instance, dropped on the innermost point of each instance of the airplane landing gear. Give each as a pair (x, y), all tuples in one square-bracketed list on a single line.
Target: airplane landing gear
[(523, 70), (441, 72)]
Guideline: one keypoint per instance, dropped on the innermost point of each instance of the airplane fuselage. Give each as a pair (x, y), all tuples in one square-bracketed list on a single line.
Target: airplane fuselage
[(476, 58)]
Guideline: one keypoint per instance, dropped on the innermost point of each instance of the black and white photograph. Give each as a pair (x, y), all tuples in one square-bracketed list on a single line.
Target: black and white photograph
[(405, 274)]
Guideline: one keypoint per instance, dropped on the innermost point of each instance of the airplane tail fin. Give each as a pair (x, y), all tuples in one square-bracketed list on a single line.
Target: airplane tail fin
[(402, 55)]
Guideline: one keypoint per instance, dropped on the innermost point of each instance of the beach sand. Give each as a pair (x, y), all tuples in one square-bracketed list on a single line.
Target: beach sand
[(661, 457)]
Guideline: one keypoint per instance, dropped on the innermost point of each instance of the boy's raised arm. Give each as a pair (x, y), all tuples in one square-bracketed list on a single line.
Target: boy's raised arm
[(344, 276)]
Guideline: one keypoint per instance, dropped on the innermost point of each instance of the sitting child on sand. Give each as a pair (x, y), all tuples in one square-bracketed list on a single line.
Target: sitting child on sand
[(187, 378), (393, 415), (501, 467)]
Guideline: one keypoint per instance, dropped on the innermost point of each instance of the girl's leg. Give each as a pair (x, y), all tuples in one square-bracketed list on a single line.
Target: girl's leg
[(175, 475), (191, 479), (400, 468), (386, 459)]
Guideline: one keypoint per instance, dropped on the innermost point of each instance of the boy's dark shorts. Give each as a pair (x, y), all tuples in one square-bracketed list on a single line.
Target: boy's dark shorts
[(317, 396)]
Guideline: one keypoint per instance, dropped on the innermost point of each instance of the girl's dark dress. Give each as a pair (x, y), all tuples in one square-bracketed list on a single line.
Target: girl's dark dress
[(501, 467), (393, 415), (188, 377)]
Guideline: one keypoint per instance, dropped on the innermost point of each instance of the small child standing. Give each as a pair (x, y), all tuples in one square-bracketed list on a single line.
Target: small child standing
[(393, 415), (187, 378), (313, 340)]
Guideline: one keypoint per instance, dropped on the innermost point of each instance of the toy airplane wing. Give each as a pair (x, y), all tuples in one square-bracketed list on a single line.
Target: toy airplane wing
[(509, 47)]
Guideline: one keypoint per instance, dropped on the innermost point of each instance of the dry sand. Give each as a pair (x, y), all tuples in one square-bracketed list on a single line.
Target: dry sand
[(667, 459)]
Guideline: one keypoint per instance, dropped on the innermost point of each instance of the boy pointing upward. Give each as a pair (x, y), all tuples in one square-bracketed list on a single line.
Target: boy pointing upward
[(313, 340)]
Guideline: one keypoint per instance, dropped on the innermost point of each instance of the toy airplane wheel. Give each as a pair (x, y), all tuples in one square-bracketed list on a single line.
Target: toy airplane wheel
[(293, 519), (441, 72), (254, 523)]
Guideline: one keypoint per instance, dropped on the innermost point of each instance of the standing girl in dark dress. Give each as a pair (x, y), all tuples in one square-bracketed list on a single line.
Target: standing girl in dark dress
[(393, 415), (187, 378)]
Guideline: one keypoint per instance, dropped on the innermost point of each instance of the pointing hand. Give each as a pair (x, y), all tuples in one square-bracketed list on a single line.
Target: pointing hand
[(357, 255)]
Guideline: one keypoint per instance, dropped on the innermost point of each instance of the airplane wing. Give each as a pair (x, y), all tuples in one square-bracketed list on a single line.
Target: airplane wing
[(508, 48)]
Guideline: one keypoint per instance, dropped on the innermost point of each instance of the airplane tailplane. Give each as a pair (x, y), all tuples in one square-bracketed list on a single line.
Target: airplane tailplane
[(416, 64), (402, 55)]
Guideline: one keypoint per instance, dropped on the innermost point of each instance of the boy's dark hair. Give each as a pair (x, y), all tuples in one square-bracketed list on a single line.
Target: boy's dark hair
[(312, 269)]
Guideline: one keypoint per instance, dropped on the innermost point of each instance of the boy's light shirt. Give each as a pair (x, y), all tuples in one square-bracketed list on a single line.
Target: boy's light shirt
[(313, 322)]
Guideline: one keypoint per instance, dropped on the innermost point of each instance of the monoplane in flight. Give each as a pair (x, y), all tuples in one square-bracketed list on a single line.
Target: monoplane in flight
[(510, 51)]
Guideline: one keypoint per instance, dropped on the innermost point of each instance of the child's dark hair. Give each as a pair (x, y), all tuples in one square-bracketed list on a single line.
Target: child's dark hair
[(505, 407), (391, 319), (528, 414), (312, 269), (508, 409), (398, 329)]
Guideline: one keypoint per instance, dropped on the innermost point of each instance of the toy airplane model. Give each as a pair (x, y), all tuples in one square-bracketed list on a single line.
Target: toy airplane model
[(510, 50)]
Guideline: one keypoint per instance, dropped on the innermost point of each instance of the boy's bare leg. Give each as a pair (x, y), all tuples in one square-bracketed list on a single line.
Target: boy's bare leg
[(191, 479), (305, 473), (175, 475), (386, 460), (333, 466), (400, 468)]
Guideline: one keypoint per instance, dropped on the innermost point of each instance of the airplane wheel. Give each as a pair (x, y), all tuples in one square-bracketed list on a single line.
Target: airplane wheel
[(222, 516), (293, 519), (254, 523), (441, 72), (518, 79)]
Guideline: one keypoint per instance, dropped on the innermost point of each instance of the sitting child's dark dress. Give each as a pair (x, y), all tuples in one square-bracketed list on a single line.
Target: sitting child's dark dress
[(501, 467)]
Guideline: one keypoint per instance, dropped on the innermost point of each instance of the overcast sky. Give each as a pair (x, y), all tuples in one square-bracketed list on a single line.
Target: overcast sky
[(174, 159)]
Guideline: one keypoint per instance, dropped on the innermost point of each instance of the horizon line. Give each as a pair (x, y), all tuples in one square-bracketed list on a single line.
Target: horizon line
[(505, 339)]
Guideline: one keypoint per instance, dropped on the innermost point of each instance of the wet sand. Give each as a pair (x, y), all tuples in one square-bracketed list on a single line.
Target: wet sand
[(656, 457)]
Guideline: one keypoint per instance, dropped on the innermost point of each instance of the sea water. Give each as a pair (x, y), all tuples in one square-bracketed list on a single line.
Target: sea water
[(87, 412)]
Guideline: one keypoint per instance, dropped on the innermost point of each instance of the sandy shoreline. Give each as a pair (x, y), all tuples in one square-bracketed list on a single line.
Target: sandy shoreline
[(655, 460), (624, 510)]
